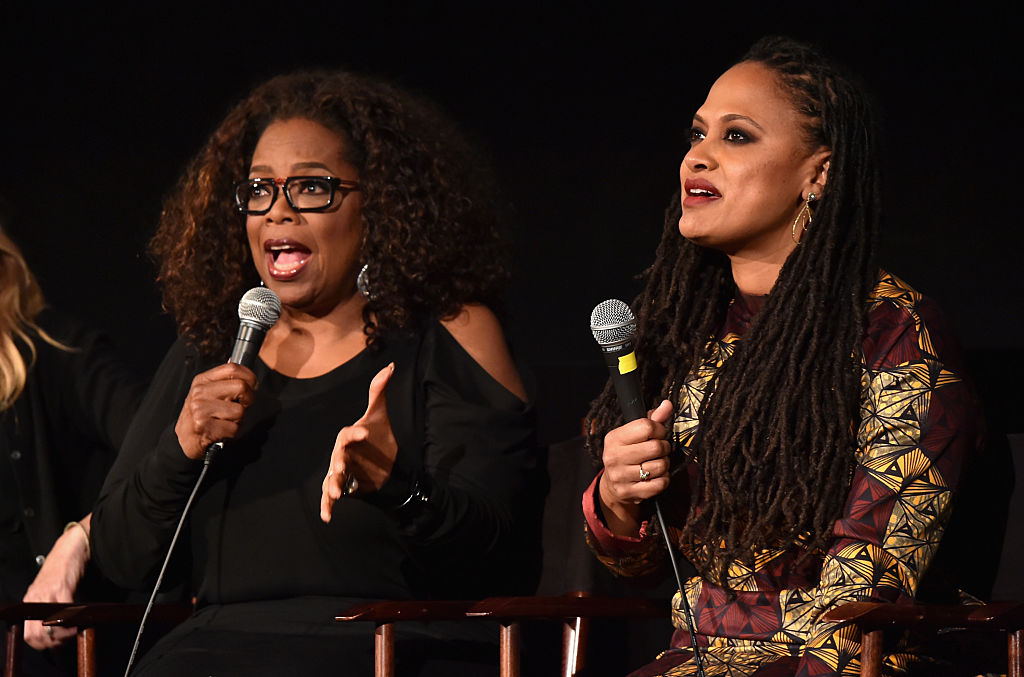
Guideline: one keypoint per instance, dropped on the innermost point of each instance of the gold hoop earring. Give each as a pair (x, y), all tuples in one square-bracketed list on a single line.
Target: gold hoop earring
[(805, 212)]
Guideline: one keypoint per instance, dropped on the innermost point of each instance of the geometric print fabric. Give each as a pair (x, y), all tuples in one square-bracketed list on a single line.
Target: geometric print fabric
[(917, 424)]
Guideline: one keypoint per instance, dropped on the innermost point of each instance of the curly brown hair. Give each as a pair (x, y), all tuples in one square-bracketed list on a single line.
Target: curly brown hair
[(430, 235)]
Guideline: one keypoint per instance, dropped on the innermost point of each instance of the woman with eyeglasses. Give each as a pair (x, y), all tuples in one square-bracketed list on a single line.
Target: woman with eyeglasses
[(811, 412), (381, 448)]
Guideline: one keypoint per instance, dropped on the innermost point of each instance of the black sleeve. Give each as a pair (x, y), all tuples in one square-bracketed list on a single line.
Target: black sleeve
[(100, 393), (78, 402), (471, 501), (149, 484)]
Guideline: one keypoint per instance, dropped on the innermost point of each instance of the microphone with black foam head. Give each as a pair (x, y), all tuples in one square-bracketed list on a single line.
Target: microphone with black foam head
[(614, 329)]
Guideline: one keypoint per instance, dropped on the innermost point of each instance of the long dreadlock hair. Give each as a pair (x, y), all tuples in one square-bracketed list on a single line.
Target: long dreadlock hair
[(777, 436)]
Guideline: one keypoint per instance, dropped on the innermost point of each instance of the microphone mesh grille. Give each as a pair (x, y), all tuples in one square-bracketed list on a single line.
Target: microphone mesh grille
[(612, 322), (259, 306)]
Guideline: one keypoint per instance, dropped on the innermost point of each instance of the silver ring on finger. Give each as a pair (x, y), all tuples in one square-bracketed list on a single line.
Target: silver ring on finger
[(49, 631), (351, 485), (644, 474)]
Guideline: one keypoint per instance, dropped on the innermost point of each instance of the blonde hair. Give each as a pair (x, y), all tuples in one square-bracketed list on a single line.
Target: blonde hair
[(21, 300)]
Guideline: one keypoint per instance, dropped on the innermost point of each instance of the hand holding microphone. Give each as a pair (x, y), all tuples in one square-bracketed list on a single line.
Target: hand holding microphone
[(214, 408), (635, 454), (636, 465), (218, 398)]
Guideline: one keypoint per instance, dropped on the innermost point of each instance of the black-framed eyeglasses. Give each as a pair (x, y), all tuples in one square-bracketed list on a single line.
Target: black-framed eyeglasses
[(304, 193)]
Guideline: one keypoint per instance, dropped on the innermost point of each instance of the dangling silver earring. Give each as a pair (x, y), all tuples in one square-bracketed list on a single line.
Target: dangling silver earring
[(363, 282), (805, 213)]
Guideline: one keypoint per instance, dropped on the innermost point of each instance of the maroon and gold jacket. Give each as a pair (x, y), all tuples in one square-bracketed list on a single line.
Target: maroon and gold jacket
[(919, 421)]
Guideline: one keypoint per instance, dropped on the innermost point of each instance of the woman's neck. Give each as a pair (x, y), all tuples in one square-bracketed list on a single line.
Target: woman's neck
[(755, 277), (301, 345)]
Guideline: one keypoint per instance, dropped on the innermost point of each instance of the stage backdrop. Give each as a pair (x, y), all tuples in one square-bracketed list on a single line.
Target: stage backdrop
[(583, 112)]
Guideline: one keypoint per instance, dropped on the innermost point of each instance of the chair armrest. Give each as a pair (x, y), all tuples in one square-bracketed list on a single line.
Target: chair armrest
[(16, 612), (105, 613), (564, 607), (521, 608), (407, 610), (874, 615)]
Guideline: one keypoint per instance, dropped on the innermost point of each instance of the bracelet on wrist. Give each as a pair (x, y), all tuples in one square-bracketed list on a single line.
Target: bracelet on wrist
[(418, 499), (72, 525)]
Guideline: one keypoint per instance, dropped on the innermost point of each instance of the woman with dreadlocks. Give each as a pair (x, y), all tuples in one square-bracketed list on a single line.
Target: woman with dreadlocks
[(813, 415)]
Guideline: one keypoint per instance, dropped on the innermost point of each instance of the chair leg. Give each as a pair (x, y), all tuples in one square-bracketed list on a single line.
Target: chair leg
[(509, 647), (1015, 662), (12, 657), (384, 650), (87, 652), (871, 654), (574, 645)]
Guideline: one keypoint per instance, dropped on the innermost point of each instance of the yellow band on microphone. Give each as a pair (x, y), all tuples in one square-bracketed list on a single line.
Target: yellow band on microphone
[(627, 363)]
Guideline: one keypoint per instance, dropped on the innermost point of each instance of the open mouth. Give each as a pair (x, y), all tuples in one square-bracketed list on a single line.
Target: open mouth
[(697, 191), (286, 258)]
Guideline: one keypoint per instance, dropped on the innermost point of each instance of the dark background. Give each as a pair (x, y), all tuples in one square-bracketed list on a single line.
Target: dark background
[(583, 110)]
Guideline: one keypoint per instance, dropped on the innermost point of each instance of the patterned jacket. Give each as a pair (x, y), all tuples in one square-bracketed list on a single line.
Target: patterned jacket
[(919, 421)]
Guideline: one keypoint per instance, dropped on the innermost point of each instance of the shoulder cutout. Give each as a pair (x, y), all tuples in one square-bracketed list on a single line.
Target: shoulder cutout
[(478, 331)]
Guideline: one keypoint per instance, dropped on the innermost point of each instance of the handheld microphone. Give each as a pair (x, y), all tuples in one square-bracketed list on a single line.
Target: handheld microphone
[(257, 312), (614, 329)]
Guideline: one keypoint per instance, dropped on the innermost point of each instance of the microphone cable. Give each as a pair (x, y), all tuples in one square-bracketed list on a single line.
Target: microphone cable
[(258, 310), (216, 446), (614, 329), (687, 609)]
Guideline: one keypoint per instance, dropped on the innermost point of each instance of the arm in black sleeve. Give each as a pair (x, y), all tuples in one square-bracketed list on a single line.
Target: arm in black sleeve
[(106, 393), (466, 484), (146, 490), (78, 401)]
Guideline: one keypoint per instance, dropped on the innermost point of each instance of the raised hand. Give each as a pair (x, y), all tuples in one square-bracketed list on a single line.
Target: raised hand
[(364, 452), (636, 468)]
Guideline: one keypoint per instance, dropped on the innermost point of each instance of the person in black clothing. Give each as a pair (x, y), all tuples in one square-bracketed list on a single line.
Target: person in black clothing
[(363, 210), (65, 403)]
